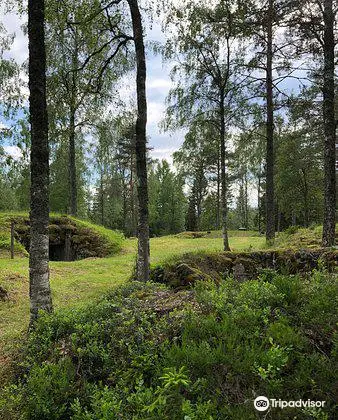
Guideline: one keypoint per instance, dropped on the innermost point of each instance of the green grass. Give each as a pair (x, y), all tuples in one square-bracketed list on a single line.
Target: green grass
[(217, 234), (80, 282)]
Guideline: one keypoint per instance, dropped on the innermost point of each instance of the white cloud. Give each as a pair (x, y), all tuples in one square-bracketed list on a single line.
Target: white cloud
[(3, 126), (155, 112), (13, 151), (19, 49), (159, 84), (165, 153)]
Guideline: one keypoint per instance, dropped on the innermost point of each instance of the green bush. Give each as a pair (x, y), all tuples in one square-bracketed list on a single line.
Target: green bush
[(120, 359)]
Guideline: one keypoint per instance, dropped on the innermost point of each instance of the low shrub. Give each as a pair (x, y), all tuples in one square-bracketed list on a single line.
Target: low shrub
[(124, 358)]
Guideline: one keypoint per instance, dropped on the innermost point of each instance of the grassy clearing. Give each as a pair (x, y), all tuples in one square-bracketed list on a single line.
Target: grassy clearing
[(217, 234), (79, 282)]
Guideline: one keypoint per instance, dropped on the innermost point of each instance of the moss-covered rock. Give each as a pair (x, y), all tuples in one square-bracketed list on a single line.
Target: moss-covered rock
[(244, 268), (241, 265), (180, 276)]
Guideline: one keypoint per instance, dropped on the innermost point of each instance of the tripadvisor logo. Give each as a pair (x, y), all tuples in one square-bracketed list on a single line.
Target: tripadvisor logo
[(262, 403)]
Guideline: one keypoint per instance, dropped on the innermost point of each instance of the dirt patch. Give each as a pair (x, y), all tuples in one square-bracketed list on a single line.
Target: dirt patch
[(15, 277), (166, 301)]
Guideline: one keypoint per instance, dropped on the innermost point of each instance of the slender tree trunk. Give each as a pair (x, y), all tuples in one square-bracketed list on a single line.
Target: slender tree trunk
[(132, 199), (279, 220), (294, 220), (125, 209), (39, 287), (329, 128), (306, 200), (141, 146), (199, 194), (125, 201), (259, 202), (270, 211), (218, 209), (246, 200), (72, 166), (102, 197), (72, 118), (224, 206)]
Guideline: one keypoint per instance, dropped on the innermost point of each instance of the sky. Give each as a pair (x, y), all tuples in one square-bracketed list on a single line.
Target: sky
[(161, 144)]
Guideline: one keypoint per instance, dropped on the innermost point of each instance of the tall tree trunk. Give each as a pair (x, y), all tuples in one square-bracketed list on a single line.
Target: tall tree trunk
[(224, 205), (125, 202), (246, 200), (199, 193), (279, 220), (132, 199), (72, 166), (141, 146), (294, 220), (329, 128), (39, 287), (259, 201), (125, 209), (72, 118), (101, 197), (306, 200), (218, 209), (270, 211)]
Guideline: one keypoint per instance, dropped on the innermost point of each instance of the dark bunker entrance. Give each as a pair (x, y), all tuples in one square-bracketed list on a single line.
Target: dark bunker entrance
[(68, 240), (62, 251)]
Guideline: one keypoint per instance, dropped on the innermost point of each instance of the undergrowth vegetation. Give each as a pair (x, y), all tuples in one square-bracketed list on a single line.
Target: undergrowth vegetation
[(144, 352), (296, 237)]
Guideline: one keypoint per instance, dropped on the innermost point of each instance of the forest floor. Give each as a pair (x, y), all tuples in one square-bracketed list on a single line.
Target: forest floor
[(77, 283)]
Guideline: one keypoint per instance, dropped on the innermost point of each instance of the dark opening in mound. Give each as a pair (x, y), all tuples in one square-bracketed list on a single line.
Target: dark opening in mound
[(68, 240), (61, 252)]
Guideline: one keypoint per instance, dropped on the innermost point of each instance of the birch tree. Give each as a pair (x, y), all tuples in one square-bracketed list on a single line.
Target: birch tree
[(39, 287), (206, 44), (141, 145)]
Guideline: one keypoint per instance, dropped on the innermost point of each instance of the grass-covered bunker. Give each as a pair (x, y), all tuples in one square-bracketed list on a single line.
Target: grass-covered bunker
[(69, 238)]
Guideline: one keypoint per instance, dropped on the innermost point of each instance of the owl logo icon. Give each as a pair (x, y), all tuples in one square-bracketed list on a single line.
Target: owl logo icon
[(261, 403)]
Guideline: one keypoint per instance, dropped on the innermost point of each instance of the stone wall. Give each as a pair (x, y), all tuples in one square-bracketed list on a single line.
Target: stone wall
[(241, 265)]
